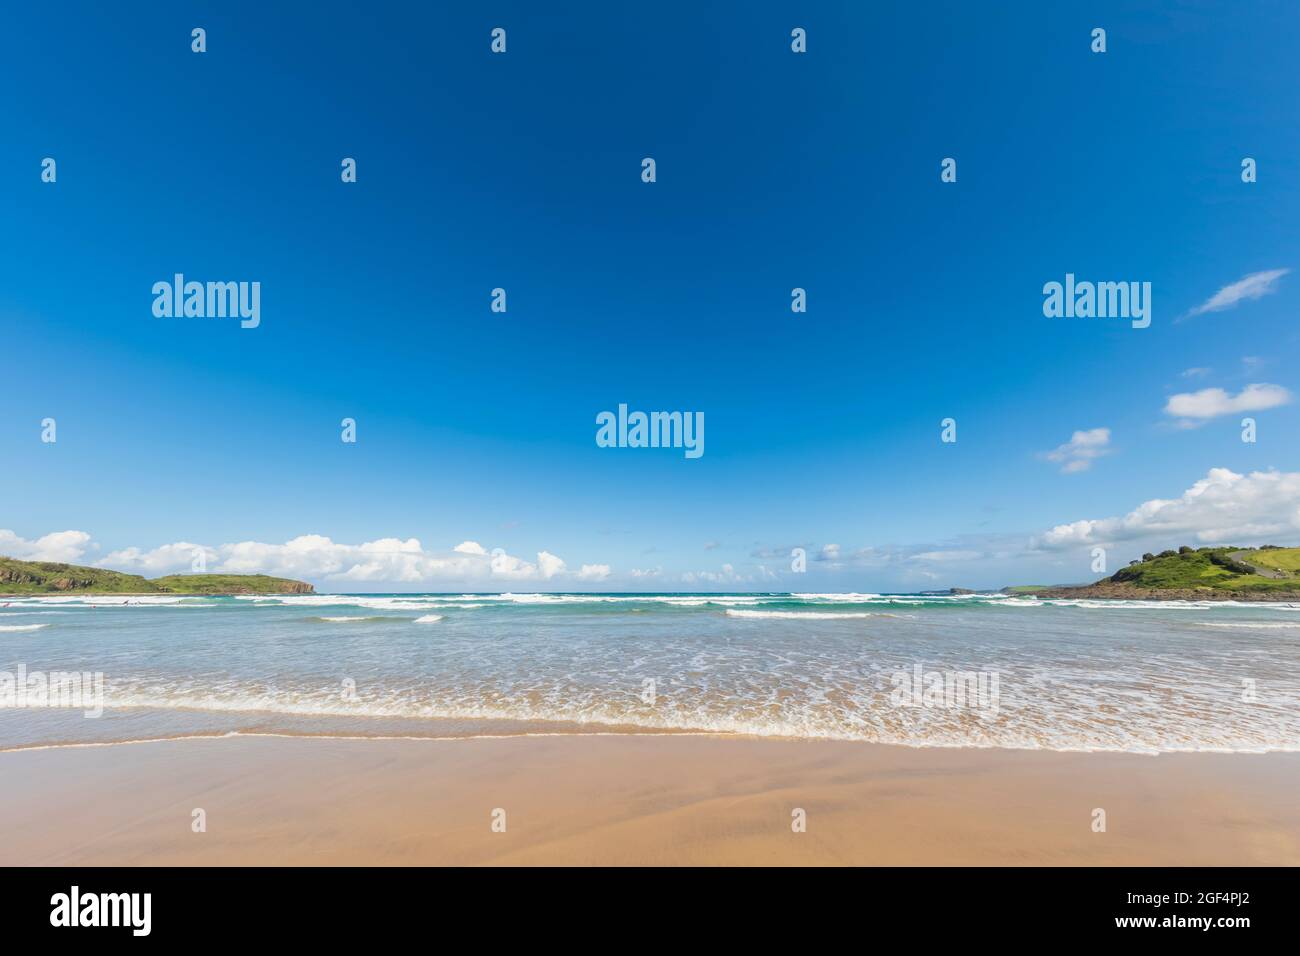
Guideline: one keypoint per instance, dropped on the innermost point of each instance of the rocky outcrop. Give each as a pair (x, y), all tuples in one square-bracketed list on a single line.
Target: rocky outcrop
[(285, 587), (69, 584), (14, 576)]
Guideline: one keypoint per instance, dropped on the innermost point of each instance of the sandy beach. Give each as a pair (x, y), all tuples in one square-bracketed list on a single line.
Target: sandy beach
[(638, 800)]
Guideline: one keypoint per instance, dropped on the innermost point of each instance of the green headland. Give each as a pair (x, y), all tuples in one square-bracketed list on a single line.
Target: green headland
[(45, 577), (1268, 573)]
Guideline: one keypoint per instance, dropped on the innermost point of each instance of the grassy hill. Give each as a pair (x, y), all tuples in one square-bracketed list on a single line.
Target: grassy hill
[(46, 577), (230, 584), (1233, 569), (1268, 573), (1280, 559)]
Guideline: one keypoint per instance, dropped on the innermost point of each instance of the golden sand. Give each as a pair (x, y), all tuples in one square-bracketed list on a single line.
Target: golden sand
[(638, 800)]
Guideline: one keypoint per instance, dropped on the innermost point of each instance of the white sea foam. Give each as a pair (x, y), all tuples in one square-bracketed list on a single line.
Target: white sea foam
[(412, 603), (1071, 678), (677, 600), (1250, 625), (22, 627), (851, 597), (109, 600), (890, 725), (805, 615)]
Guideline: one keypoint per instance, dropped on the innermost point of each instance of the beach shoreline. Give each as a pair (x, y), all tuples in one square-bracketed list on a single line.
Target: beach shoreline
[(638, 800)]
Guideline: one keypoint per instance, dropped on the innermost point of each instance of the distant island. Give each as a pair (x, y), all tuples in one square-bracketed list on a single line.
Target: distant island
[(1268, 573), (21, 578)]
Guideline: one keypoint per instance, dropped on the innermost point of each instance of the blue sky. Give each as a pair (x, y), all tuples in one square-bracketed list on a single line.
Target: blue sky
[(775, 170)]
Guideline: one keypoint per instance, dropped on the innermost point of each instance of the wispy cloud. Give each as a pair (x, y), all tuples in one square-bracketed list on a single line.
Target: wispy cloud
[(957, 555), (1081, 450), (1254, 286), (726, 575), (1195, 408)]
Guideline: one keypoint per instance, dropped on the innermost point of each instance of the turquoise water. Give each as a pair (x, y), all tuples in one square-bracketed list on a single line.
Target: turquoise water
[(1064, 675)]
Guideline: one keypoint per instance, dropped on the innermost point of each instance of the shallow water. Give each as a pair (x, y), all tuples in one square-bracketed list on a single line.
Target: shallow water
[(921, 670)]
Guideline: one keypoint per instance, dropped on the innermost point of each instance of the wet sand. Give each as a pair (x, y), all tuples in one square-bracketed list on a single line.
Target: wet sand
[(638, 800)]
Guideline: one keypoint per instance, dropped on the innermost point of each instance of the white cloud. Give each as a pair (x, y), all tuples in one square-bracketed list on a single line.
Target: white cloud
[(317, 558), (1253, 286), (548, 565), (1198, 372), (1213, 402), (508, 566), (1223, 507), (64, 547), (167, 559), (1079, 452)]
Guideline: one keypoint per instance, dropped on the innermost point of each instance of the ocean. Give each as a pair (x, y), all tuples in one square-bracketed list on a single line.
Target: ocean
[(912, 669)]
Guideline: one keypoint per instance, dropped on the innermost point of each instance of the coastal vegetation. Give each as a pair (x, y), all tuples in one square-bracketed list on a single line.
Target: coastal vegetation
[(1234, 569), (47, 577), (1265, 573)]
